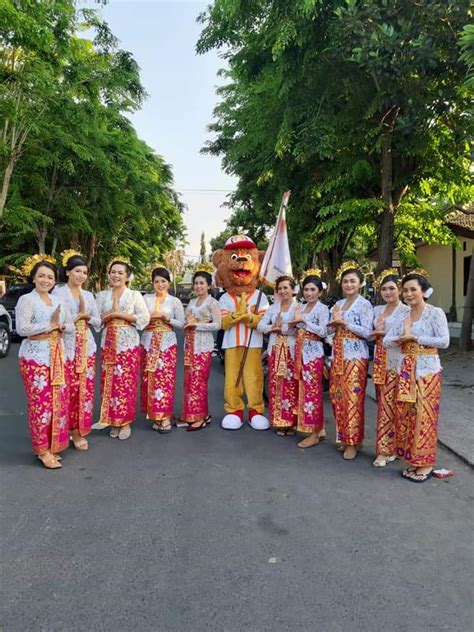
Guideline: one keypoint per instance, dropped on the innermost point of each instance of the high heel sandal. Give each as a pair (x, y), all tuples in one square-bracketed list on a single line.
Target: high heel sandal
[(204, 423), (49, 461)]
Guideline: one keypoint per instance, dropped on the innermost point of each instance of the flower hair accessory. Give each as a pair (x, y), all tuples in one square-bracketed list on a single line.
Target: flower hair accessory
[(348, 265), (428, 292), (33, 260), (383, 275), (67, 254)]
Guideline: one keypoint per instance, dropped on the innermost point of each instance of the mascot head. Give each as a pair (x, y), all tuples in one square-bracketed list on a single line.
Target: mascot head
[(238, 265)]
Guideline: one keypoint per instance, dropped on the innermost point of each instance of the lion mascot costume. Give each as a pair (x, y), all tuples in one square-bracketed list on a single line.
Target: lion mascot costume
[(237, 267)]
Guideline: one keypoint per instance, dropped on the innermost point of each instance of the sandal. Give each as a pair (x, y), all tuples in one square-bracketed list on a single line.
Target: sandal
[(413, 476), (165, 429), (350, 453), (80, 444), (156, 427), (49, 461), (309, 442), (382, 461), (204, 423), (114, 433), (125, 432)]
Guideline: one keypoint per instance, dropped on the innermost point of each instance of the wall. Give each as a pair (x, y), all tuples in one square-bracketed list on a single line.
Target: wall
[(437, 261)]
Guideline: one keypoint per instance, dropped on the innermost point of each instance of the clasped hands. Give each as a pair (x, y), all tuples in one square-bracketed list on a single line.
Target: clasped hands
[(54, 323), (82, 315), (337, 318), (241, 315), (407, 335)]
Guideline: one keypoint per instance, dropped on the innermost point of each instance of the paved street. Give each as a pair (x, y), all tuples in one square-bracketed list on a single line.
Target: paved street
[(227, 532)]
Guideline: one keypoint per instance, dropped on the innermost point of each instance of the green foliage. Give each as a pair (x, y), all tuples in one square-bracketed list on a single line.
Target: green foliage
[(75, 174), (355, 106)]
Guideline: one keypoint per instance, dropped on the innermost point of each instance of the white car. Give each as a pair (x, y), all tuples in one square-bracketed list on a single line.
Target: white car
[(5, 332)]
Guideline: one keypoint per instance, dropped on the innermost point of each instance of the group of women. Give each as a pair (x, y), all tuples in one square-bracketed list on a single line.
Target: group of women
[(57, 359), (406, 368), (58, 354)]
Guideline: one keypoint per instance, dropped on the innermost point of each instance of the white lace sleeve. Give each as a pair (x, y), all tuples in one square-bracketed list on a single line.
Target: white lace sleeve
[(215, 325), (265, 324), (177, 320), (95, 320), (440, 330), (24, 315), (365, 312), (99, 301), (140, 311), (393, 333), (317, 321)]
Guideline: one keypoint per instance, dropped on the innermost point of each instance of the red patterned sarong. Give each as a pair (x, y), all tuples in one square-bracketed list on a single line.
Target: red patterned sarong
[(158, 373), (283, 385), (47, 397), (310, 390), (347, 393)]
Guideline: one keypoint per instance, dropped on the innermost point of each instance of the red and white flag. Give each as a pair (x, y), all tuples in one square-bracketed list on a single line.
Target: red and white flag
[(277, 260)]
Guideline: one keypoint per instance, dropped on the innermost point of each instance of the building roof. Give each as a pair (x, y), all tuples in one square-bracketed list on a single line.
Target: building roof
[(463, 220)]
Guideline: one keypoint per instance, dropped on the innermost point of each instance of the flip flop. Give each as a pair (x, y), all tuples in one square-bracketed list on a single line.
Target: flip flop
[(166, 429), (420, 478)]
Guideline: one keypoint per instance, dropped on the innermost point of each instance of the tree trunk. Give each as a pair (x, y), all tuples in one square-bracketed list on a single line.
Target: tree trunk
[(465, 343), (6, 185), (386, 234)]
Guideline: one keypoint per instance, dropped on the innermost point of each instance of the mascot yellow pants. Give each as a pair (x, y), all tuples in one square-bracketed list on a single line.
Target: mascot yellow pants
[(251, 383)]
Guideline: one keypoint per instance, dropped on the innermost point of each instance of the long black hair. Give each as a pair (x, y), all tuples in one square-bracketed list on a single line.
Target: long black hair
[(73, 262)]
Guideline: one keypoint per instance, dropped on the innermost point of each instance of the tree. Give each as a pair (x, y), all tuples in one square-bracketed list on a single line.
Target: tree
[(355, 106), (202, 249)]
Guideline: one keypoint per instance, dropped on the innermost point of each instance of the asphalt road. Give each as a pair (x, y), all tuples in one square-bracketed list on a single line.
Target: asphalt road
[(228, 532)]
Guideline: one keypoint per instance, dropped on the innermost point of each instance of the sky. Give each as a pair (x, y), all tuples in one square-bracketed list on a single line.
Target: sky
[(181, 85)]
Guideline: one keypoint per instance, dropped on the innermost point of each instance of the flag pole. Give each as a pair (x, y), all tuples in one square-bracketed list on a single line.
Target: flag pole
[(284, 202)]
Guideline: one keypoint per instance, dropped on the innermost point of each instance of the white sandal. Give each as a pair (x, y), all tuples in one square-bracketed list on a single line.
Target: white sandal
[(114, 433), (125, 433), (382, 461)]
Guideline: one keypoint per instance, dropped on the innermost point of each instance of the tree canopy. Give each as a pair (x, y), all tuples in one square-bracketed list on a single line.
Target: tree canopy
[(360, 108), (75, 174)]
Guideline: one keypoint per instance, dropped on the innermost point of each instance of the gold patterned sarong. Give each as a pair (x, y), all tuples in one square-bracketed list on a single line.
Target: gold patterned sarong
[(407, 379), (338, 348), (379, 372)]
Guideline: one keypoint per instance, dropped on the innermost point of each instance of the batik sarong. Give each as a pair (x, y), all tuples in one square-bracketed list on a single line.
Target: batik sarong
[(47, 398), (119, 379), (197, 368), (347, 393), (158, 375), (81, 388), (310, 391), (283, 385), (386, 414)]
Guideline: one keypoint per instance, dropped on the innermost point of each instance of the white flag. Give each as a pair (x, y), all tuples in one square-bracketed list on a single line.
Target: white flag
[(277, 260)]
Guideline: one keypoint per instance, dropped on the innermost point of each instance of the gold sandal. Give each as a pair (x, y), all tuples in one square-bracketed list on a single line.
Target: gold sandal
[(49, 461)]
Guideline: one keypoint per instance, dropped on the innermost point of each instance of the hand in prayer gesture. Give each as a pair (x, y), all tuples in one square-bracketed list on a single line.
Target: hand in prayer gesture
[(380, 326), (190, 321), (54, 322), (337, 317), (298, 316), (407, 335), (277, 325), (240, 315), (82, 315)]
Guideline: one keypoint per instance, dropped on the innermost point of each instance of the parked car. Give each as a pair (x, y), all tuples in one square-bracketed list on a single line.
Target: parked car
[(10, 299), (5, 332)]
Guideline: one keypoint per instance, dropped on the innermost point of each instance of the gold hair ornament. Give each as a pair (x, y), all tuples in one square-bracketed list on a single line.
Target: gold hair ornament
[(204, 267), (420, 272), (157, 264), (33, 260), (311, 272), (119, 259), (385, 273), (348, 265), (67, 254)]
